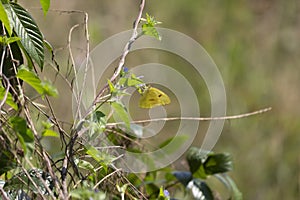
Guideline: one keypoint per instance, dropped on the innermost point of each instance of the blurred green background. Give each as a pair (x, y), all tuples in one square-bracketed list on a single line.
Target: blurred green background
[(255, 44)]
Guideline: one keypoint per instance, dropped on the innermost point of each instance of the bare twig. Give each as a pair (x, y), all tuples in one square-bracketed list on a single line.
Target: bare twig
[(126, 50), (3, 52), (107, 176), (6, 91), (3, 194), (72, 61), (196, 118)]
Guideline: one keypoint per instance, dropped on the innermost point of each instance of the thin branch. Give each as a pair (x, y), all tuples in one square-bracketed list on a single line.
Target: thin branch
[(126, 50), (3, 194), (73, 61), (6, 91), (107, 176), (196, 118), (3, 52)]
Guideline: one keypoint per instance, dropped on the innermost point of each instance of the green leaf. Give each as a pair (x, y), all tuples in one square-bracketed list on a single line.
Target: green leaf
[(50, 133), (9, 99), (103, 158), (4, 19), (7, 40), (7, 158), (31, 79), (196, 158), (236, 194), (83, 164), (112, 88), (134, 179), (230, 184), (19, 125), (150, 30), (100, 117), (25, 135), (87, 194), (47, 124), (149, 27), (152, 190), (45, 6), (12, 39), (218, 163), (151, 20), (49, 89), (163, 194), (43, 88), (26, 28), (95, 124), (121, 112), (122, 81), (93, 152), (176, 141), (134, 81)]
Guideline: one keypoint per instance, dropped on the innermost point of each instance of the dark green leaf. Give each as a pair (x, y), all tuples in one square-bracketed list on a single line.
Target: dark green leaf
[(218, 163), (99, 117), (184, 177), (200, 190), (45, 5), (28, 31), (20, 126), (134, 179), (152, 190), (25, 135), (7, 158), (11, 63), (196, 158), (21, 181), (4, 19)]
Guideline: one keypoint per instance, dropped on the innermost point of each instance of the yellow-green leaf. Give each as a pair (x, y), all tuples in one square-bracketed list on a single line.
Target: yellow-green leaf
[(4, 19)]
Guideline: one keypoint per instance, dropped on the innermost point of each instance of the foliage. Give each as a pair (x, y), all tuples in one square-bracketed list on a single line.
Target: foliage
[(82, 171)]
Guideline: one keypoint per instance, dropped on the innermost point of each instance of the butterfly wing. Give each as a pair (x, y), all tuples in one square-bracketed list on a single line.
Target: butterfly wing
[(153, 97)]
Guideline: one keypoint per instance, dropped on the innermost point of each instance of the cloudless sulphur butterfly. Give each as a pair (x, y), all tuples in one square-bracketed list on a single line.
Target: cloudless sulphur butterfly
[(152, 97)]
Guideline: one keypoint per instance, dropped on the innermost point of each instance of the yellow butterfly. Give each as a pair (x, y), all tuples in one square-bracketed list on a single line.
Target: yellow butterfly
[(152, 97)]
